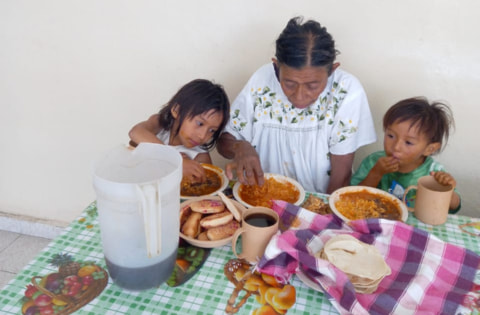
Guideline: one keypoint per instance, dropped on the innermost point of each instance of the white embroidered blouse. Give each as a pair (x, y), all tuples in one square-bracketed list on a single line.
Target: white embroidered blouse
[(298, 142)]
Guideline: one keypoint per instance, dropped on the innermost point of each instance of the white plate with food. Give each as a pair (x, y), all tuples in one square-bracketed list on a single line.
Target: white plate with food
[(362, 202), (276, 187), (317, 203), (216, 181), (207, 221)]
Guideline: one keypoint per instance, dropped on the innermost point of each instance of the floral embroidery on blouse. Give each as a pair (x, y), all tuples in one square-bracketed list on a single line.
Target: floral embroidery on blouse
[(326, 108)]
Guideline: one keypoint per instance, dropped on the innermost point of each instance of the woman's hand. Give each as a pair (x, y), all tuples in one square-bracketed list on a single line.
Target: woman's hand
[(247, 165), (245, 160)]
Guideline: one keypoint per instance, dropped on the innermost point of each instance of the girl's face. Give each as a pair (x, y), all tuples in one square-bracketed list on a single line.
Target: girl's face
[(197, 130), (407, 145), (302, 86)]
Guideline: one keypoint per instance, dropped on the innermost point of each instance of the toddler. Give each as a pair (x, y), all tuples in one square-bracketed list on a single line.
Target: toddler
[(414, 130)]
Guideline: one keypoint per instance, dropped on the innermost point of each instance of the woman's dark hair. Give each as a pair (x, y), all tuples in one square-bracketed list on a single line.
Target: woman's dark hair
[(307, 44), (194, 98), (434, 120)]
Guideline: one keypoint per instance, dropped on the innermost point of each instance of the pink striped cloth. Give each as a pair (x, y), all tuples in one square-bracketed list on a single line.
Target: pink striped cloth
[(428, 275)]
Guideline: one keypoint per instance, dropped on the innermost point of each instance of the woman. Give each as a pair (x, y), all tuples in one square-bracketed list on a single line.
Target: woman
[(300, 116)]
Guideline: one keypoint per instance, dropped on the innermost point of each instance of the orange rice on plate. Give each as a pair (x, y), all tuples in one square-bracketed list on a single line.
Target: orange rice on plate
[(363, 205), (272, 189)]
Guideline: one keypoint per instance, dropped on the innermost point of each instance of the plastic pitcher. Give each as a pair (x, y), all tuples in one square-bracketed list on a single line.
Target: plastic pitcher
[(138, 202)]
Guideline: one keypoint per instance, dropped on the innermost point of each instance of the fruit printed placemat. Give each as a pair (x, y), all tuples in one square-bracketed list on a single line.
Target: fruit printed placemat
[(272, 296), (189, 260), (74, 284)]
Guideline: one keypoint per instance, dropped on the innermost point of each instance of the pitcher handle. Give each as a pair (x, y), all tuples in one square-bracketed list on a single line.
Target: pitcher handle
[(151, 213), (405, 195)]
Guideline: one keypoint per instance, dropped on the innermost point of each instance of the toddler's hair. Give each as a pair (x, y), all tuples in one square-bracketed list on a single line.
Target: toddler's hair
[(433, 120), (194, 98)]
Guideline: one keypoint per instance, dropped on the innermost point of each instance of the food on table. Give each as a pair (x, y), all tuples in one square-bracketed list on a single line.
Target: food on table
[(316, 204), (362, 263), (216, 219), (184, 215), (207, 206), (207, 220), (203, 236), (210, 185), (363, 204), (191, 227), (231, 207), (274, 297), (272, 189), (222, 231)]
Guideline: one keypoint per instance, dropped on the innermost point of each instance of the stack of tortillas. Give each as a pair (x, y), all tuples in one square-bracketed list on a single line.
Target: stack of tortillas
[(361, 262)]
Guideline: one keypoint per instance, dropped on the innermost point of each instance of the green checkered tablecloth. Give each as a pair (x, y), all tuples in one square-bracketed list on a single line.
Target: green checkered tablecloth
[(206, 293)]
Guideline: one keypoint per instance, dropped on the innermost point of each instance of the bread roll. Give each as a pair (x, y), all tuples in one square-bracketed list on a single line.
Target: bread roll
[(184, 214), (222, 231), (207, 206), (217, 219), (191, 227), (202, 236)]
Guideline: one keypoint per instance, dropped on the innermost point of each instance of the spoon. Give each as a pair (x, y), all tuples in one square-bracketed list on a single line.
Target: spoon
[(230, 206)]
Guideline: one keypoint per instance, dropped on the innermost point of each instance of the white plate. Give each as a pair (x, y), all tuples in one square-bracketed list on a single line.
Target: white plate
[(336, 195), (279, 178), (220, 173), (308, 282), (207, 244)]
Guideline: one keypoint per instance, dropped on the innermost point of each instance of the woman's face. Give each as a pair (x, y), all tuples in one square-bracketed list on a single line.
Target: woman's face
[(303, 86)]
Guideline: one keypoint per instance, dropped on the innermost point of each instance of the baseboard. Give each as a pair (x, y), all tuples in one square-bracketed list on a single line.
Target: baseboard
[(29, 226)]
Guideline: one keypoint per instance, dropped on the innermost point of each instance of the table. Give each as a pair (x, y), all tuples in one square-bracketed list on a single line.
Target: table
[(206, 293)]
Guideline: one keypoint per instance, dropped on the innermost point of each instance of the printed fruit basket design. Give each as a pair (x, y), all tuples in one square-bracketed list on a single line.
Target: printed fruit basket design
[(275, 298), (189, 261), (74, 285)]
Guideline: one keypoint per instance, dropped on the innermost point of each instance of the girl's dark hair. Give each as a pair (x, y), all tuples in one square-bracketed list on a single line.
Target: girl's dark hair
[(194, 98), (307, 44), (434, 120)]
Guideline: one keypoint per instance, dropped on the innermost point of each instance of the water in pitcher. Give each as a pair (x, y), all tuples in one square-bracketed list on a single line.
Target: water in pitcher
[(144, 277)]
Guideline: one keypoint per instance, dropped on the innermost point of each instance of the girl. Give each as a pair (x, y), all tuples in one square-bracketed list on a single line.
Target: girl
[(191, 122), (414, 130)]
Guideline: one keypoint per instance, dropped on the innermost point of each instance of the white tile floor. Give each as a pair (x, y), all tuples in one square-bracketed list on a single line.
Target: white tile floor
[(16, 250)]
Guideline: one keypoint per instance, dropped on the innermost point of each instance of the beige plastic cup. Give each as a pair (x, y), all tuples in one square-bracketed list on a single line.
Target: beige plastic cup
[(259, 224), (432, 201)]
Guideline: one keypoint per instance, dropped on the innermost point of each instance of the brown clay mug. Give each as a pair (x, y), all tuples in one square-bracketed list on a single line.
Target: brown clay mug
[(259, 224), (432, 201)]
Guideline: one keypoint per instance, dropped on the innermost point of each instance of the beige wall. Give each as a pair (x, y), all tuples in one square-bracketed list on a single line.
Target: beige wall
[(76, 75)]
